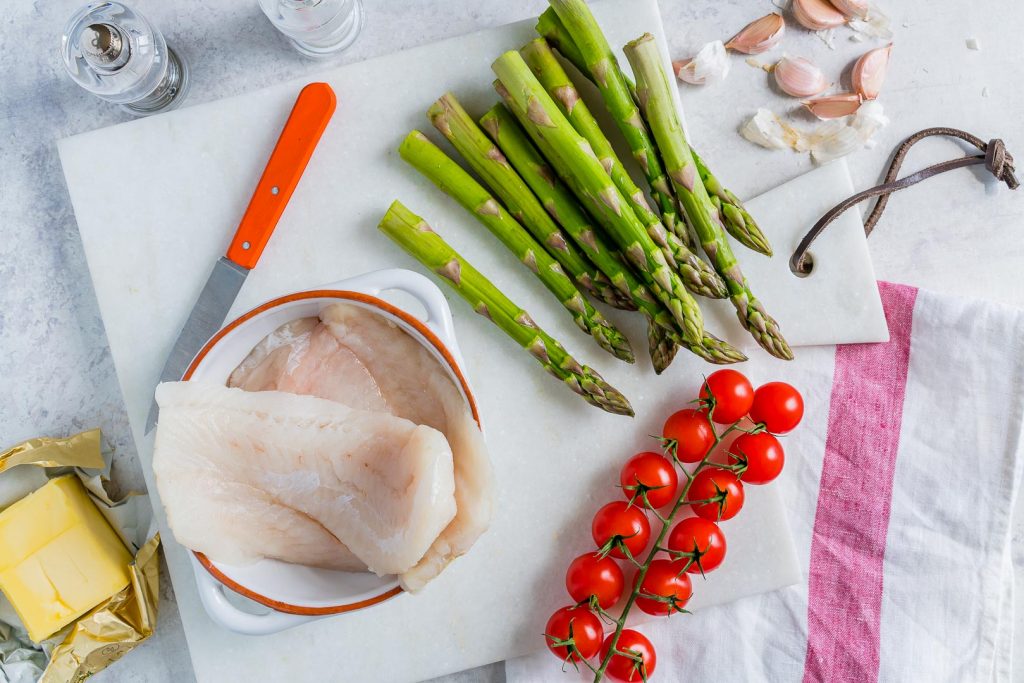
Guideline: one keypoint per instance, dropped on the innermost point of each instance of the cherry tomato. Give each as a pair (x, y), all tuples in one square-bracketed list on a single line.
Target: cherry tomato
[(764, 456), (625, 668), (667, 579), (778, 405), (581, 625), (653, 474), (711, 482), (702, 538), (598, 576), (622, 522), (689, 432), (734, 394)]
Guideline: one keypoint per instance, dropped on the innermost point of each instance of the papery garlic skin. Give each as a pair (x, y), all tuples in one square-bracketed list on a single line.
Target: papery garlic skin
[(710, 65), (799, 77), (828, 36), (852, 8), (817, 15), (769, 131), (838, 138), (869, 71), (834, 106), (875, 25), (826, 141), (759, 36)]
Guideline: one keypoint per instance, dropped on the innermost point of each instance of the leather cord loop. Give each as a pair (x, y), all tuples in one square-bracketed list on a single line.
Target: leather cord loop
[(994, 156)]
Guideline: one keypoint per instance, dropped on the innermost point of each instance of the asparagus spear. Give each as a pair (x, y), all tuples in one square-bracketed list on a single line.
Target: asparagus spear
[(599, 63), (414, 235), (451, 119), (550, 28), (583, 173), (698, 276), (502, 127), (654, 94), (552, 76), (738, 220), (524, 157), (422, 154)]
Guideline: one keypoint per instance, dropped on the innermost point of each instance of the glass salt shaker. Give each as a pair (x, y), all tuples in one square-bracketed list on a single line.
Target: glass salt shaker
[(316, 28), (116, 54)]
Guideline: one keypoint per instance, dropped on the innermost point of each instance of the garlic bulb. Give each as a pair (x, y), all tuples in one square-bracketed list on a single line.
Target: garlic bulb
[(817, 15), (834, 106), (852, 8), (869, 71), (798, 77), (759, 36), (710, 65)]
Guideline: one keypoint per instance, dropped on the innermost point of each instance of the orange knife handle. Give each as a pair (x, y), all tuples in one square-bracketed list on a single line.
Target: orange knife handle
[(305, 125)]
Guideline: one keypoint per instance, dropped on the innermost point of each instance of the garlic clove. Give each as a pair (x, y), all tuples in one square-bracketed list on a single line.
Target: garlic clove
[(759, 36), (852, 8), (817, 15), (711, 64), (799, 77), (834, 106), (869, 71)]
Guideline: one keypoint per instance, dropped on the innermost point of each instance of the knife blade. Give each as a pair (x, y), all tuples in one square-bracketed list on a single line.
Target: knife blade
[(302, 131)]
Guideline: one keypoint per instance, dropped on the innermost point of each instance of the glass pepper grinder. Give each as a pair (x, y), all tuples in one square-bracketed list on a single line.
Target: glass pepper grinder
[(116, 54), (316, 28)]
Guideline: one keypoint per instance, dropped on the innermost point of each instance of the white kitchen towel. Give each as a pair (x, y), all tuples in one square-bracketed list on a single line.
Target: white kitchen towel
[(900, 486)]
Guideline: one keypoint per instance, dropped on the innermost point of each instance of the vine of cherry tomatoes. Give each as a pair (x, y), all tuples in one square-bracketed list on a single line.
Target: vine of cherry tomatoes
[(660, 485)]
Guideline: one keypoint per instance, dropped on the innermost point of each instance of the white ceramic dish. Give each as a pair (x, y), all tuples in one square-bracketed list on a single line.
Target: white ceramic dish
[(294, 593)]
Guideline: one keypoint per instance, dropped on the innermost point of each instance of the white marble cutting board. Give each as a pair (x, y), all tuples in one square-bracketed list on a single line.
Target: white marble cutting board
[(151, 237)]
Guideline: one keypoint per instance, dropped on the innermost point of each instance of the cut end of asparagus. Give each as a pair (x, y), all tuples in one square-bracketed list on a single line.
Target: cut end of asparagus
[(637, 41)]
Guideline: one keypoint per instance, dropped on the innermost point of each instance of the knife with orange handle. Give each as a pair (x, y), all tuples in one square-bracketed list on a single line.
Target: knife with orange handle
[(309, 117)]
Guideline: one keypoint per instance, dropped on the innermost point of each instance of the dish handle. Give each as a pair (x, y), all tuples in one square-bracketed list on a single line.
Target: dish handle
[(211, 593), (439, 315)]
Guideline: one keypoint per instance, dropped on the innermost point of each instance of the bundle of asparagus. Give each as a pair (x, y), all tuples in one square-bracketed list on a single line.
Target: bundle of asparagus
[(556, 194)]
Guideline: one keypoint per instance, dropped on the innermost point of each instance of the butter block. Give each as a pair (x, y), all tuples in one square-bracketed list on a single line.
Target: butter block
[(59, 557)]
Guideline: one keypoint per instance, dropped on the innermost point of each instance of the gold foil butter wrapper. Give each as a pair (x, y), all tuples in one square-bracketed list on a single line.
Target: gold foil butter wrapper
[(113, 628), (117, 625), (80, 450)]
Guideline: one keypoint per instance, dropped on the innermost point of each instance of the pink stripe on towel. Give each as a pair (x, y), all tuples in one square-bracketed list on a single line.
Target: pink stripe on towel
[(852, 518)]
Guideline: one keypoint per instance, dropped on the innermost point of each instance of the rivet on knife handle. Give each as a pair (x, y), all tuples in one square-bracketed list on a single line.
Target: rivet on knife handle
[(305, 125)]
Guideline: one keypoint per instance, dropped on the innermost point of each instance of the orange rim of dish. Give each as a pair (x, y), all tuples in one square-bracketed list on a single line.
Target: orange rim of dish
[(373, 301)]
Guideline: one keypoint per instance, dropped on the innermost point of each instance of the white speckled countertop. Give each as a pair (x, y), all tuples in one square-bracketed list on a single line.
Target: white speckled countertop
[(953, 234)]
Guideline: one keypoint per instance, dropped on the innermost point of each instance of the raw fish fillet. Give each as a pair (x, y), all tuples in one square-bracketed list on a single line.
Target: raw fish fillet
[(417, 387), (303, 357), (247, 475)]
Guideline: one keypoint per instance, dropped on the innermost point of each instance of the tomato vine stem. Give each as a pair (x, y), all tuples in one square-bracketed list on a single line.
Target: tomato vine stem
[(666, 525)]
